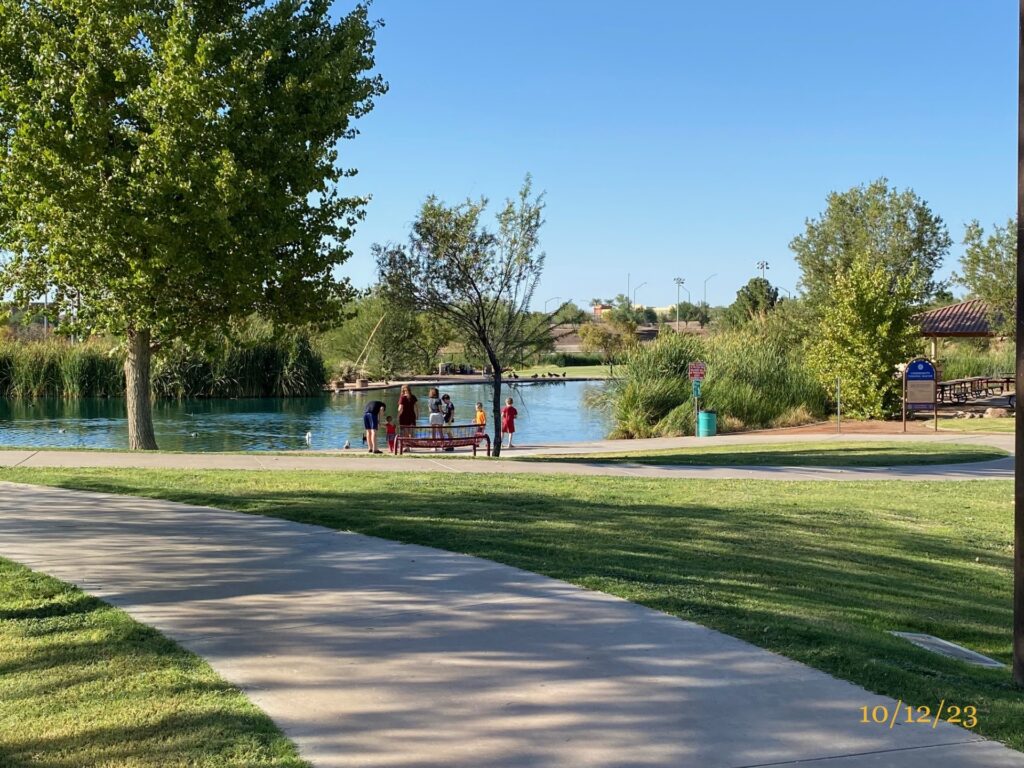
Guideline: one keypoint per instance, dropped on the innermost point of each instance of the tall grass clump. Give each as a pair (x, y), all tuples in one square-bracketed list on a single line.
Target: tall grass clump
[(753, 381), (56, 368), (251, 364), (961, 361)]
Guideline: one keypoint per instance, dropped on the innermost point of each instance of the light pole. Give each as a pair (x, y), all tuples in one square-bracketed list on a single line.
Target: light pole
[(788, 294), (643, 284), (548, 301), (762, 265), (679, 284), (704, 309)]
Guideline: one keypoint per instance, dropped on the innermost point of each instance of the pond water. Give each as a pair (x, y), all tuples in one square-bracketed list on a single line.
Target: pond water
[(553, 412)]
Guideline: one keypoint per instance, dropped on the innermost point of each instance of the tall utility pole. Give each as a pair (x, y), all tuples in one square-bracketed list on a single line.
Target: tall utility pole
[(679, 284), (1018, 476), (704, 309), (762, 265)]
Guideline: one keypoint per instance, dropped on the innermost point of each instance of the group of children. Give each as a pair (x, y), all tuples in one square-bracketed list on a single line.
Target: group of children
[(445, 410)]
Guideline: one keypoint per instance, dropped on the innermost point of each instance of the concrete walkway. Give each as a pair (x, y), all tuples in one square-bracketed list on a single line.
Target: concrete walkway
[(1000, 469), (372, 653)]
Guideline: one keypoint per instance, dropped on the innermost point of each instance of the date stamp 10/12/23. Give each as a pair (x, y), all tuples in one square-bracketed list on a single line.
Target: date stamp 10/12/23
[(907, 713)]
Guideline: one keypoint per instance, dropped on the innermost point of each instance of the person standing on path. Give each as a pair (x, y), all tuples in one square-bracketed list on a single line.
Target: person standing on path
[(371, 420), (480, 418), (435, 415), (508, 420), (407, 410), (448, 410)]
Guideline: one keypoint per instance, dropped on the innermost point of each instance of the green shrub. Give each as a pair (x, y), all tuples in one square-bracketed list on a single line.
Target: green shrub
[(961, 361), (252, 365), (753, 381), (57, 368)]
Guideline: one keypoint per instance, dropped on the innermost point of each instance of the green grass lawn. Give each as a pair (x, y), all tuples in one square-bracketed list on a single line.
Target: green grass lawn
[(823, 454), (1002, 426), (82, 684), (817, 571)]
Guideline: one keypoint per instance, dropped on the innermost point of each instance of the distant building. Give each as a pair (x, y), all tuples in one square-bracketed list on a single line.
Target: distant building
[(600, 309)]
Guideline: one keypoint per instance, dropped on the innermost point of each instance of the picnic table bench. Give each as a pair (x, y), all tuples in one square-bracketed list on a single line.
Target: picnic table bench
[(443, 436), (962, 390)]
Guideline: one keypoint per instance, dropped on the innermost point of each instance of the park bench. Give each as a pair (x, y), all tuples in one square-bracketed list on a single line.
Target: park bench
[(444, 436)]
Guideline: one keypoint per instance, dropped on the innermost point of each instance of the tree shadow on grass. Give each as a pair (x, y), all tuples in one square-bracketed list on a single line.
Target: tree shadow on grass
[(822, 581)]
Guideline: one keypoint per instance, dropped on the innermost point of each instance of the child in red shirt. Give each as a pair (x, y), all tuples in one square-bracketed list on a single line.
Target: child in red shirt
[(508, 420), (392, 433)]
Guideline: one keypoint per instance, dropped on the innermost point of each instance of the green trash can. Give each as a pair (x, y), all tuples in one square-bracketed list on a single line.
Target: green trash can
[(707, 424)]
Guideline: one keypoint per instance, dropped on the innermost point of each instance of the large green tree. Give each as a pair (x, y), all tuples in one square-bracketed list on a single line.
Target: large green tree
[(166, 165), (480, 281), (866, 330), (889, 227), (988, 269), (754, 300)]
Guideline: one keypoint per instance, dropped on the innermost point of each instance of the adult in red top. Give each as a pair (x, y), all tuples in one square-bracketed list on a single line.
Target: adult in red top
[(508, 420), (407, 407)]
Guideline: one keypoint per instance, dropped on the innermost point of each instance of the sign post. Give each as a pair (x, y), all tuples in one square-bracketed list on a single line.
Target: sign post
[(919, 390), (696, 371)]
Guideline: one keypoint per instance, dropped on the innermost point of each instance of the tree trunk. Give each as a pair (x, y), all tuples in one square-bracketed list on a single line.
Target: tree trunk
[(137, 393), (496, 402)]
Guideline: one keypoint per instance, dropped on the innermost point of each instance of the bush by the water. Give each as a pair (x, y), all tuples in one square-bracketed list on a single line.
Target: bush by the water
[(260, 367), (753, 381), (58, 369), (285, 367)]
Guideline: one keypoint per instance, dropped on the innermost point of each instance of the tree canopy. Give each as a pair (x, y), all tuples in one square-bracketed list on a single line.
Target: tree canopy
[(892, 228), (988, 269), (866, 330), (167, 166), (755, 299), (480, 281)]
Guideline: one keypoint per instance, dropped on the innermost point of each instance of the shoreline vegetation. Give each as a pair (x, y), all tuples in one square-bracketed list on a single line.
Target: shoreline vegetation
[(256, 365)]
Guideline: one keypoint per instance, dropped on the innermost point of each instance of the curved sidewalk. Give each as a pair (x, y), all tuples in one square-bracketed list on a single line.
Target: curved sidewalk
[(373, 653), (999, 469)]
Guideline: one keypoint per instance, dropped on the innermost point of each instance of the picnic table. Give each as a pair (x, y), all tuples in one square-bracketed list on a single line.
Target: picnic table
[(974, 387)]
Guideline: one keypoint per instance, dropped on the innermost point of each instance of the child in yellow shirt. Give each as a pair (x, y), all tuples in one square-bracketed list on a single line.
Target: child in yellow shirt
[(481, 418)]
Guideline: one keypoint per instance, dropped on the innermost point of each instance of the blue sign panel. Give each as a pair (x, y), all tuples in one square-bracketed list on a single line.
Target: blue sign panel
[(920, 370), (696, 387), (920, 390)]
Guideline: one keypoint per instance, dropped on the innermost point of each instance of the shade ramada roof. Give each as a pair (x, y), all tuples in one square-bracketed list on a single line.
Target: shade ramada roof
[(967, 319)]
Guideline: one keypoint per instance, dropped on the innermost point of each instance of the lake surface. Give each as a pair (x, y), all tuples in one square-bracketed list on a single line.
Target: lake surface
[(553, 412)]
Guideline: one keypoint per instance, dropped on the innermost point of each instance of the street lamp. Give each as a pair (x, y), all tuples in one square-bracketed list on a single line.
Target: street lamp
[(705, 307), (762, 265), (635, 290), (548, 301), (788, 294), (679, 284)]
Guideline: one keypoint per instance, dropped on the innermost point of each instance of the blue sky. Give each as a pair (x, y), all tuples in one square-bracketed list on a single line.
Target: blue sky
[(684, 138)]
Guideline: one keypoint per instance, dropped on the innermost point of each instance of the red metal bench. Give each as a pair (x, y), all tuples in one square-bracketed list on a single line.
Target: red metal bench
[(445, 436)]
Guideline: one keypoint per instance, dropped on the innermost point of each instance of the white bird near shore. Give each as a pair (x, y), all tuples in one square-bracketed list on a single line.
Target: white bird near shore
[(309, 438), (347, 445)]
